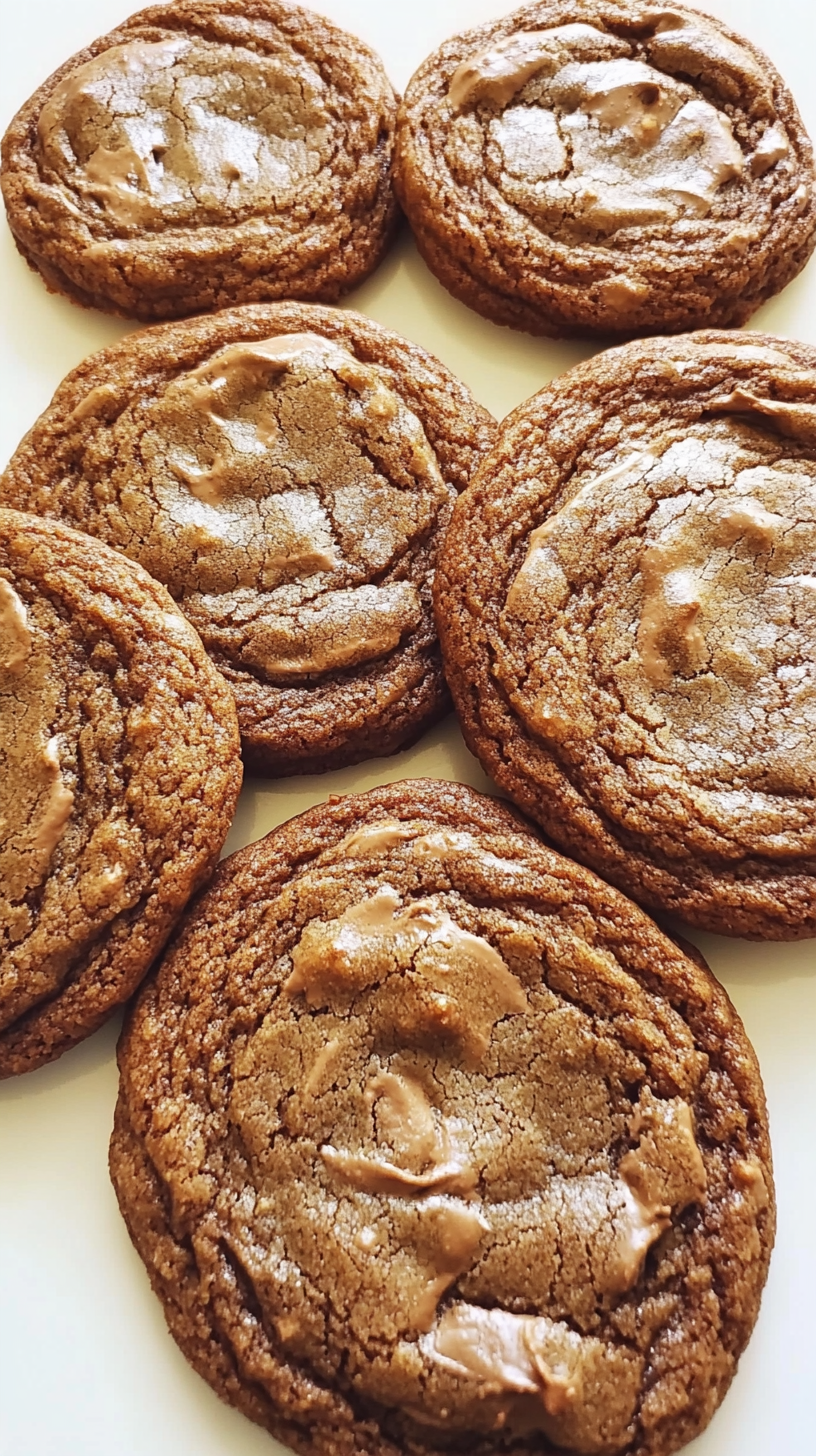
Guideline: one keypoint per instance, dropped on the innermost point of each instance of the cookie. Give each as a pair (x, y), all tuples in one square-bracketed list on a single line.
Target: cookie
[(120, 774), (285, 470), (627, 608), (606, 166), (205, 153), (431, 1141)]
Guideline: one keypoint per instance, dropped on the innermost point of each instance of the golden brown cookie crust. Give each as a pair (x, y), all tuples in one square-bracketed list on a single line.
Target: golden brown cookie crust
[(431, 1141), (562, 201), (121, 772), (325, 518), (625, 604), (209, 200)]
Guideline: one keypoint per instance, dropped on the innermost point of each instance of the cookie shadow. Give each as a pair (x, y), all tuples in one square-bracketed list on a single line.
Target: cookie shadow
[(754, 962), (495, 362), (46, 336), (74, 1066), (440, 754)]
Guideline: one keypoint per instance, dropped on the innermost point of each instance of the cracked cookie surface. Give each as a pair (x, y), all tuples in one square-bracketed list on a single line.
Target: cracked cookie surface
[(627, 608), (285, 471), (431, 1141), (206, 153), (120, 774), (606, 167)]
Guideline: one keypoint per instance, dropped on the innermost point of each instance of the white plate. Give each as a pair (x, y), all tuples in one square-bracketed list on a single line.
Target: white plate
[(86, 1366)]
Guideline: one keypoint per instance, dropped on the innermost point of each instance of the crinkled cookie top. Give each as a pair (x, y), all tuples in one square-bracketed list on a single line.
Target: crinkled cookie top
[(483, 1152)]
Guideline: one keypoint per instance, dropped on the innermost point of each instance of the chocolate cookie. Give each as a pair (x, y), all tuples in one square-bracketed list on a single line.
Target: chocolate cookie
[(285, 471), (120, 774), (627, 607), (205, 153), (431, 1141), (606, 166)]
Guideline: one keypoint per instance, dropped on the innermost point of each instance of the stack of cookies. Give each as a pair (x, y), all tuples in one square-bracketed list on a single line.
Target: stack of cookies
[(431, 1139)]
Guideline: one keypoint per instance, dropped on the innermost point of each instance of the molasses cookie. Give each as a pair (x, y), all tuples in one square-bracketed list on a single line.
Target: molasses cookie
[(627, 607), (606, 166), (119, 773), (285, 471), (205, 153), (433, 1142)]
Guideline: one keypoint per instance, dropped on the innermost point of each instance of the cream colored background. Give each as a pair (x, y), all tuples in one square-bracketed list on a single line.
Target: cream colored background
[(86, 1366)]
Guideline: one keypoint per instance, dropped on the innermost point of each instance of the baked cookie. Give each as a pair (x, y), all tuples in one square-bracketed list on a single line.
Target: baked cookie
[(285, 470), (627, 607), (205, 153), (120, 774), (431, 1141), (606, 166)]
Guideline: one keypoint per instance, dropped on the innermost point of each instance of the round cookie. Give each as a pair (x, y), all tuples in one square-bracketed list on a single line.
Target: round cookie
[(120, 774), (431, 1141), (628, 618), (285, 470), (205, 153), (606, 166)]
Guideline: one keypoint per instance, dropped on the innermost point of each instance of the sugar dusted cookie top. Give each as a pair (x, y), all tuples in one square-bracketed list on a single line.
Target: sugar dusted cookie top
[(119, 774), (466, 1149), (205, 153), (627, 608), (286, 471), (607, 167)]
